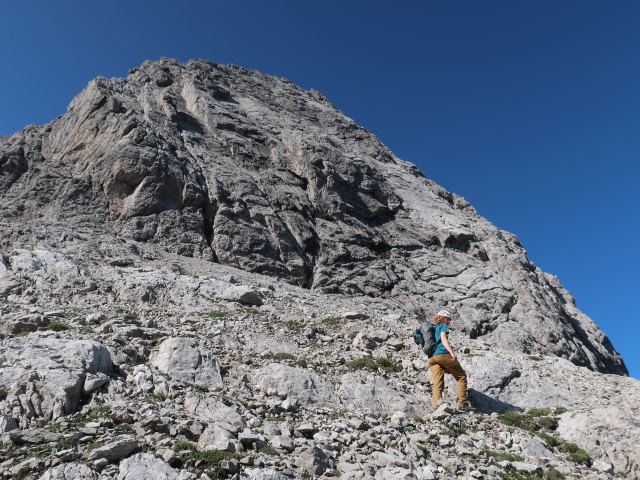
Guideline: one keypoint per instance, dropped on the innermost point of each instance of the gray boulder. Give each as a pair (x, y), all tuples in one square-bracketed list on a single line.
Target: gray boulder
[(185, 359), (144, 466), (54, 369), (115, 450), (373, 393), (314, 461), (70, 471), (210, 409), (296, 384)]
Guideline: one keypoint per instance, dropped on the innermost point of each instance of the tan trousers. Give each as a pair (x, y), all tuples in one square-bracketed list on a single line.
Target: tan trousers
[(441, 364)]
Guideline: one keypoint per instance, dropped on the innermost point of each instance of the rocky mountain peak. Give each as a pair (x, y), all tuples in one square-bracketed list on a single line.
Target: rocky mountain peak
[(247, 170)]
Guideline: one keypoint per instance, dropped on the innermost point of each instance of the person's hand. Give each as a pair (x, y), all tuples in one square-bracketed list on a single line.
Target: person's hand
[(453, 357)]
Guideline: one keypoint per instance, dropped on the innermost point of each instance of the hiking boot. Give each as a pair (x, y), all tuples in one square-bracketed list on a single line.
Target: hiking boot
[(466, 408)]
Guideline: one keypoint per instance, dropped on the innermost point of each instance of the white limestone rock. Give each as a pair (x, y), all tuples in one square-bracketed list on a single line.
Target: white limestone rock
[(186, 360)]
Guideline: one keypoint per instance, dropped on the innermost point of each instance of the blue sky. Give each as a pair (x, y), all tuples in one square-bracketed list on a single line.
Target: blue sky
[(528, 109)]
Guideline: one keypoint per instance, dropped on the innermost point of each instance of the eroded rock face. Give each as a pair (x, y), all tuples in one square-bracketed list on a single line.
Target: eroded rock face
[(230, 165)]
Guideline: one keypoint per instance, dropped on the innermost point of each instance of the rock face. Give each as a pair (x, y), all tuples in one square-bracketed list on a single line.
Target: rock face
[(206, 272), (237, 167)]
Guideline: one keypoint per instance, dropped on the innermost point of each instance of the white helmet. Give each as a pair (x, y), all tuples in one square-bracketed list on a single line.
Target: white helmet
[(443, 313)]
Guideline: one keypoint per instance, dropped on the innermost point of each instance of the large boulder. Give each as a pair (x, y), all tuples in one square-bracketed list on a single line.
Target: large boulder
[(373, 393), (298, 385), (144, 466), (187, 360), (69, 471), (44, 376)]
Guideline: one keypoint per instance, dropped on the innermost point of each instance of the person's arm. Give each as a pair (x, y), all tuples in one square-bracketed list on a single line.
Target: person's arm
[(445, 342)]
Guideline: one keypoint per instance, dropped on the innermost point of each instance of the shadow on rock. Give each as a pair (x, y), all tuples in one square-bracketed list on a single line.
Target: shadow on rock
[(486, 404)]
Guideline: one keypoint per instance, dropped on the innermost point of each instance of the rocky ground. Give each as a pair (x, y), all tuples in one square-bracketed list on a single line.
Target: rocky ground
[(203, 371)]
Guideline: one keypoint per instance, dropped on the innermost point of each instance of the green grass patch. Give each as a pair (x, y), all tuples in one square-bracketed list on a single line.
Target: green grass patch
[(197, 387), (576, 454), (23, 472), (548, 423), (560, 410), (539, 412), (92, 446), (293, 324), (373, 364), (548, 439), (455, 432), (332, 321), (232, 400), (58, 326), (211, 458), (269, 450), (501, 456), (512, 473), (553, 474), (183, 446), (513, 419), (303, 362), (535, 358), (124, 429), (283, 356)]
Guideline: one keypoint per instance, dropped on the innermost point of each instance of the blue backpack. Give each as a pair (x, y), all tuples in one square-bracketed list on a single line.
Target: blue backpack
[(425, 337)]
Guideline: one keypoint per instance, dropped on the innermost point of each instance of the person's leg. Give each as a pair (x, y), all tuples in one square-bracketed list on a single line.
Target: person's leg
[(455, 369), (437, 375)]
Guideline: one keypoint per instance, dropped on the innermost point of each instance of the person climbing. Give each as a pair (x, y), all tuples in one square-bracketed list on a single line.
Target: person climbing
[(445, 361)]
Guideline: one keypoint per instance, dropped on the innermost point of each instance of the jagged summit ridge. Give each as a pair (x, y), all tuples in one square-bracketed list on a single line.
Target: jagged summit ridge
[(251, 171)]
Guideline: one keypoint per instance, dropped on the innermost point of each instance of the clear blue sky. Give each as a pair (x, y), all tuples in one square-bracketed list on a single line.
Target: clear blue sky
[(529, 109)]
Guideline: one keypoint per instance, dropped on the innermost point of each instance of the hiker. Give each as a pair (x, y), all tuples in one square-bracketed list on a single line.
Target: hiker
[(445, 361)]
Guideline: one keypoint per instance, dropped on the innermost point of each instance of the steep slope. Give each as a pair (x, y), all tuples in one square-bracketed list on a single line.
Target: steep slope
[(239, 168)]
